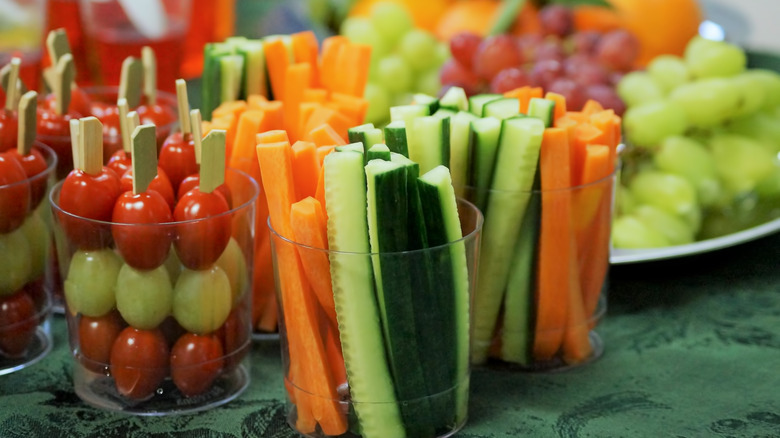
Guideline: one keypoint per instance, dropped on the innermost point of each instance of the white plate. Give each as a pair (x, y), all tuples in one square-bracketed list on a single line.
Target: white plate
[(626, 256)]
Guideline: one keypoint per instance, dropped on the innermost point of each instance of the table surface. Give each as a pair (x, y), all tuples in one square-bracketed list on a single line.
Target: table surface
[(692, 350)]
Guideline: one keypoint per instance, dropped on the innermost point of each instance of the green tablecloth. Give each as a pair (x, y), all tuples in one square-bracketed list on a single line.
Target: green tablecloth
[(692, 350)]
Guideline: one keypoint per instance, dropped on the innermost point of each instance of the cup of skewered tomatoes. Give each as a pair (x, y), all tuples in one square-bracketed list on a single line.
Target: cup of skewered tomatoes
[(156, 298), (25, 301)]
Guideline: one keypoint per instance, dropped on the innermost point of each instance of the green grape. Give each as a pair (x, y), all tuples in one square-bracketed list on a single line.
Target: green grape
[(668, 71), (38, 237), (707, 102), (751, 93), (638, 87), (624, 200), (669, 192), (741, 162), (89, 287), (173, 266), (361, 30), (769, 187), (419, 49), (769, 84), (15, 265), (676, 230), (428, 83), (691, 160), (442, 54), (202, 299), (391, 21), (402, 99), (648, 124), (707, 58), (232, 261), (629, 232), (144, 298), (759, 126), (394, 74), (378, 104)]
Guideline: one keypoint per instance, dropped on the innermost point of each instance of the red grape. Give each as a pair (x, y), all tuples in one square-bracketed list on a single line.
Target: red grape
[(556, 20), (606, 96), (494, 54), (550, 48), (574, 94), (618, 50), (452, 73), (527, 45), (545, 72), (585, 42), (585, 70), (509, 79), (463, 47)]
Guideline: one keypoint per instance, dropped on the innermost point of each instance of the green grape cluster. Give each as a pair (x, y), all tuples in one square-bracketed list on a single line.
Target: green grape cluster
[(704, 136), (404, 60), (23, 253)]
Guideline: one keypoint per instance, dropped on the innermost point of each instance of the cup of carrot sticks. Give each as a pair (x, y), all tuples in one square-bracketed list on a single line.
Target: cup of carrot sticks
[(374, 275), (156, 282), (26, 174)]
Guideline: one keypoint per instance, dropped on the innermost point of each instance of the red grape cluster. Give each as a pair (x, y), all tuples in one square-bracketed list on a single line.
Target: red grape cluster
[(579, 65)]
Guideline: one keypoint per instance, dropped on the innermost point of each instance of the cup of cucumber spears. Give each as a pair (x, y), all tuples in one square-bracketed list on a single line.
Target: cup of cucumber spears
[(375, 291), (157, 287), (543, 177)]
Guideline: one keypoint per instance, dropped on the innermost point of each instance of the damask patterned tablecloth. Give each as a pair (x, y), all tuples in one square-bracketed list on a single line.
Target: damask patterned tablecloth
[(692, 350)]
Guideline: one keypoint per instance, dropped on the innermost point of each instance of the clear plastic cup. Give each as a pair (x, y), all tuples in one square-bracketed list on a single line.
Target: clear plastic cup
[(25, 298), (542, 282), (159, 315), (339, 377)]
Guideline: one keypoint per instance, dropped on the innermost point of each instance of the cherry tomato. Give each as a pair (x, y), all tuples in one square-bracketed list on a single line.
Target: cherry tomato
[(172, 330), (142, 247), (54, 131), (9, 126), (33, 164), (119, 162), (234, 334), (92, 197), (200, 243), (177, 158), (96, 337), (158, 115), (112, 134), (100, 109), (160, 184), (192, 182), (17, 324), (80, 102), (139, 362), (196, 361), (14, 193)]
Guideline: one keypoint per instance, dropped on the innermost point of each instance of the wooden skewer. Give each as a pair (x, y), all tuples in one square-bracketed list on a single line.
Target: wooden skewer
[(183, 105), (130, 81), (144, 157), (58, 46), (90, 149), (65, 73), (75, 141), (197, 133), (28, 105), (212, 170), (121, 105), (150, 75), (13, 76), (5, 73)]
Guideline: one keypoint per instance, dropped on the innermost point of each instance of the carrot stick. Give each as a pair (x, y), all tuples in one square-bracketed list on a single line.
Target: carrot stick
[(296, 80), (305, 49), (560, 104), (522, 94), (256, 101), (243, 154), (323, 151), (274, 136), (339, 122), (555, 244), (351, 106), (277, 58), (235, 107), (585, 134), (304, 113), (355, 60), (335, 355), (603, 120), (306, 168), (300, 310), (329, 64), (228, 123), (592, 107), (319, 95), (309, 228), (324, 135)]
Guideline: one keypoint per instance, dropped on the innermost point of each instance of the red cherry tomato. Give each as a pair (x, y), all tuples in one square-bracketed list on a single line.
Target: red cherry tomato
[(14, 193), (112, 135), (119, 162), (17, 324), (80, 102), (234, 334), (9, 126), (33, 164), (142, 247), (160, 184), (192, 182), (172, 330), (139, 362), (196, 361), (88, 196), (177, 158), (54, 131), (200, 243), (158, 115), (96, 337), (100, 109)]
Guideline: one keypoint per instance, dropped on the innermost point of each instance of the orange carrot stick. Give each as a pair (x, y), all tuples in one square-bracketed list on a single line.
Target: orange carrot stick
[(324, 135), (585, 134), (277, 58), (306, 168), (305, 50), (592, 107), (351, 106), (235, 107), (256, 101), (296, 81), (339, 122), (273, 136), (243, 153), (319, 95), (560, 104), (329, 64), (300, 310)]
